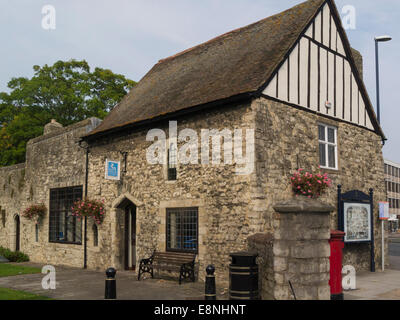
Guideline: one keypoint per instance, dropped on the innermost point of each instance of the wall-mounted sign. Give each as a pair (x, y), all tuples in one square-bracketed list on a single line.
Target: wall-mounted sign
[(113, 169), (384, 210), (356, 217), (357, 222)]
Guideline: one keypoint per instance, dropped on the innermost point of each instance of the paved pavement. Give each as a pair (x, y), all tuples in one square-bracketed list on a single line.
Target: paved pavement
[(380, 285), (79, 284)]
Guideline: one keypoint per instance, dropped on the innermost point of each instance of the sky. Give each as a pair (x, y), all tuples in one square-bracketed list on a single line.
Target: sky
[(130, 36)]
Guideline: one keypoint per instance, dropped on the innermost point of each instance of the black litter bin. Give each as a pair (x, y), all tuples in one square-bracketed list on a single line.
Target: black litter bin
[(243, 276)]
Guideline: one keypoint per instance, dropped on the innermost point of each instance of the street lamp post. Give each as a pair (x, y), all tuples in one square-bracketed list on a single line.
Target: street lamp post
[(377, 40)]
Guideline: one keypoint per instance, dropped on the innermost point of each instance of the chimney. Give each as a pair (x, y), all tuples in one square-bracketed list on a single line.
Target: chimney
[(52, 126), (358, 59)]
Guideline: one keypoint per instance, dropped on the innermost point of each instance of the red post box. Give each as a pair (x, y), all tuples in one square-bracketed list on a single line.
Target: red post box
[(335, 281)]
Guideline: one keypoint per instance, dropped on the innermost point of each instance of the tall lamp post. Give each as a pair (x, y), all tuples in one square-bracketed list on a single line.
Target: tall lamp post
[(377, 40)]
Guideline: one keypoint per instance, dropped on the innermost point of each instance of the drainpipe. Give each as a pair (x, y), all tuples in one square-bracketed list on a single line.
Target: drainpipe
[(86, 193)]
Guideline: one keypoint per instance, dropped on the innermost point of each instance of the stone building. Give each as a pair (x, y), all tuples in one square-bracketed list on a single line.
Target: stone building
[(290, 85)]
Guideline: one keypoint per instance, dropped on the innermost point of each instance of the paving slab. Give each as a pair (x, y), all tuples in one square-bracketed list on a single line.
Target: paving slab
[(376, 286), (80, 284)]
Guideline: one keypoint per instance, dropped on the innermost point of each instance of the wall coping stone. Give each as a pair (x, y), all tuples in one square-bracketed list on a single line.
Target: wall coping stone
[(303, 205)]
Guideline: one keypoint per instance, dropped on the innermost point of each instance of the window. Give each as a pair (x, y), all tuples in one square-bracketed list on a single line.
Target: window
[(3, 218), (386, 170), (95, 235), (327, 137), (63, 226), (172, 161), (182, 229), (36, 232)]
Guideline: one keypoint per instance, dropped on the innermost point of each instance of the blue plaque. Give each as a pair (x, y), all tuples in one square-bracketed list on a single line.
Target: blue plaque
[(112, 170)]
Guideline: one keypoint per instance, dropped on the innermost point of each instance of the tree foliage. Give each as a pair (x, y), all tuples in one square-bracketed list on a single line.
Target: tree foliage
[(67, 91)]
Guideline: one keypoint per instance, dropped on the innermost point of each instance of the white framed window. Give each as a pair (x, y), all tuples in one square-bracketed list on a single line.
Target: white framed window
[(328, 155)]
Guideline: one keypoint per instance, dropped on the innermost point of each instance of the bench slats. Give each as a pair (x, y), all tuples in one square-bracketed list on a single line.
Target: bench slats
[(179, 261)]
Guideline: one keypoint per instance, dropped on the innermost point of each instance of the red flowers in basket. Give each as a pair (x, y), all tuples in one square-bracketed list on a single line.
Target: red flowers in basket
[(310, 185), (89, 208)]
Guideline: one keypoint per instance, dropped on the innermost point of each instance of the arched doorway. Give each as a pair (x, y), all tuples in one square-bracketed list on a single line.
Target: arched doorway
[(126, 208), (130, 237), (17, 232)]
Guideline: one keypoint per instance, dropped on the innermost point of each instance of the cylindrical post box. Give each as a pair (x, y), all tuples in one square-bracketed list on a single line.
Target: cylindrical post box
[(243, 276), (335, 260)]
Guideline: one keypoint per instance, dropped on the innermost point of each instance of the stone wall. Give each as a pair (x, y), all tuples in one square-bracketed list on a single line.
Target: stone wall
[(226, 205), (12, 191), (297, 251), (287, 139), (53, 160)]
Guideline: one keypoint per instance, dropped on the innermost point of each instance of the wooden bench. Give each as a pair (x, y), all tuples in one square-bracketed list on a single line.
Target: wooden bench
[(170, 261)]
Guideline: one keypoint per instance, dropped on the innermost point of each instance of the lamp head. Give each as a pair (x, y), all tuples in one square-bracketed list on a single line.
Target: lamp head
[(383, 38)]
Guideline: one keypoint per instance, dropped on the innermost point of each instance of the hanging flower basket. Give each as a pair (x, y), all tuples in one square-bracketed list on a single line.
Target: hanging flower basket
[(35, 212), (89, 208), (310, 185)]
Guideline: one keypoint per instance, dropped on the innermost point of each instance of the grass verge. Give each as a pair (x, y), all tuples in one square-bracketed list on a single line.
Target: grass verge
[(9, 294), (7, 270)]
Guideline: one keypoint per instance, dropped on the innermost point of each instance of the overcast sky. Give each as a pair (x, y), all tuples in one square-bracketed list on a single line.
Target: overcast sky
[(130, 36)]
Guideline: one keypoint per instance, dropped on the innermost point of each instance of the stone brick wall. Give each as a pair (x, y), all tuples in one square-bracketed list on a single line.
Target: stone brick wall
[(12, 186), (53, 160), (297, 251), (287, 139), (227, 208)]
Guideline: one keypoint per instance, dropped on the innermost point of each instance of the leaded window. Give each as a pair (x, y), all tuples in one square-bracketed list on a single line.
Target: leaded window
[(172, 161), (95, 236), (63, 226), (182, 229), (327, 137)]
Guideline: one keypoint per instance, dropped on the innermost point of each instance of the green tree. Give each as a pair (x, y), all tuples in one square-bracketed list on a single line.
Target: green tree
[(67, 91)]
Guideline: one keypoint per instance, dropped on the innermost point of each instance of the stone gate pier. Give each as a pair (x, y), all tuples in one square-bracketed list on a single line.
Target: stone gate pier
[(297, 251)]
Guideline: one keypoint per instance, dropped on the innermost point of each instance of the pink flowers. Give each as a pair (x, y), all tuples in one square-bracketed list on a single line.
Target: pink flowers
[(308, 184), (89, 208), (35, 212)]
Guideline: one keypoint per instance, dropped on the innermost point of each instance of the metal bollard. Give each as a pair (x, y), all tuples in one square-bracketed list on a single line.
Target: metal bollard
[(111, 284), (210, 291)]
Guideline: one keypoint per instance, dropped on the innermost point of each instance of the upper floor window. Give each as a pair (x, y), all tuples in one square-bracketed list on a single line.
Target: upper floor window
[(3, 217), (327, 137), (172, 157), (63, 226)]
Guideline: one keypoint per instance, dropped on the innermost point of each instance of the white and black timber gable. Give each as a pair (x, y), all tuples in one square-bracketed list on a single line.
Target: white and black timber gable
[(319, 71)]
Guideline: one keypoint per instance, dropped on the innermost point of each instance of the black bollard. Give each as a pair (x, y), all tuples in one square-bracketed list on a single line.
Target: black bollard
[(210, 291), (111, 284)]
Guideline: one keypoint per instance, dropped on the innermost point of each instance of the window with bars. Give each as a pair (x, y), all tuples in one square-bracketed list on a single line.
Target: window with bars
[(182, 229), (63, 226), (3, 218), (172, 161), (327, 137)]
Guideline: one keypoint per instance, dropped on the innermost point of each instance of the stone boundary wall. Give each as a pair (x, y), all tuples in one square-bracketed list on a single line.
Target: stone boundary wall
[(298, 251)]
